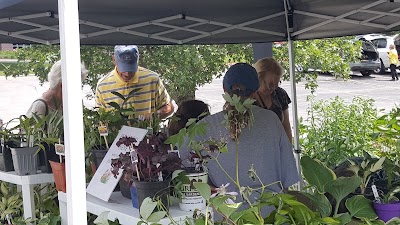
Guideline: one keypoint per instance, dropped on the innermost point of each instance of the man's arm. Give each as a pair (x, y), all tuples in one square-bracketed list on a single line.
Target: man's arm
[(164, 100), (166, 110)]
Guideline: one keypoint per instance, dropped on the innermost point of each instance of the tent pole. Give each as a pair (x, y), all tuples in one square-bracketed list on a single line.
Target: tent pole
[(296, 144), (289, 30), (72, 111)]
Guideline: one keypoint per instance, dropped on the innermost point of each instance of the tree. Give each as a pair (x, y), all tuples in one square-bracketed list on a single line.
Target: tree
[(186, 67), (327, 55)]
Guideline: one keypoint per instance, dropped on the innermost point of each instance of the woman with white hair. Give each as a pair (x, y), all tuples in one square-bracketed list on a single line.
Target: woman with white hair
[(52, 98)]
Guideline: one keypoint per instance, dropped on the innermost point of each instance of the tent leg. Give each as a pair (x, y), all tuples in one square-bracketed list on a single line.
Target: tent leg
[(72, 108), (296, 144)]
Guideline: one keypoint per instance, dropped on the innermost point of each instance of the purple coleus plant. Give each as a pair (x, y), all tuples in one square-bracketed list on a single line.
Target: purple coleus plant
[(149, 161)]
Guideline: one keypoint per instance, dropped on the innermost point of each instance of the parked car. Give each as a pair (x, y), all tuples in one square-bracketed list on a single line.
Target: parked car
[(382, 43), (369, 61)]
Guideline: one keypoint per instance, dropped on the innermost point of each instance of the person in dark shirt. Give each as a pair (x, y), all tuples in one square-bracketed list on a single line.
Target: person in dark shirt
[(270, 95), (188, 110)]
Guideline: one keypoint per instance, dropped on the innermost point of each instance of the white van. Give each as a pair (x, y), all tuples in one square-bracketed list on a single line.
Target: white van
[(382, 43)]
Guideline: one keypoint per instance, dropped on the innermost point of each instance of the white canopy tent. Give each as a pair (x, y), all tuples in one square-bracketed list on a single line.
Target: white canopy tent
[(174, 22)]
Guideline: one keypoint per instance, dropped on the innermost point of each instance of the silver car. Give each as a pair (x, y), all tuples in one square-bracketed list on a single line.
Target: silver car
[(369, 59)]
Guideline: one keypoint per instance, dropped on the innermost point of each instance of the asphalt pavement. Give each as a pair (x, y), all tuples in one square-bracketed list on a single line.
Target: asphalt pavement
[(378, 87), (16, 94)]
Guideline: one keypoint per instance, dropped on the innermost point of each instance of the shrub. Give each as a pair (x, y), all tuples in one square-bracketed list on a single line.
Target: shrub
[(8, 55), (335, 130)]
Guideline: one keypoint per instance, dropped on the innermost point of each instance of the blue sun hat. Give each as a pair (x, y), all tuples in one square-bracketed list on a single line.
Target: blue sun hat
[(244, 75)]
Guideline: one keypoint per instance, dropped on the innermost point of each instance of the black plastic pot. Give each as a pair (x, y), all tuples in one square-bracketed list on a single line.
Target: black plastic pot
[(153, 190), (49, 154), (98, 154), (124, 187), (6, 161)]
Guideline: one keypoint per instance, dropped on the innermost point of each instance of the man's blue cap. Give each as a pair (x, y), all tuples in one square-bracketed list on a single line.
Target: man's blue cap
[(126, 57), (244, 75)]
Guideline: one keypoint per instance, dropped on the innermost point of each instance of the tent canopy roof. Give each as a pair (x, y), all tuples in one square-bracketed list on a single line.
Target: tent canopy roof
[(197, 22)]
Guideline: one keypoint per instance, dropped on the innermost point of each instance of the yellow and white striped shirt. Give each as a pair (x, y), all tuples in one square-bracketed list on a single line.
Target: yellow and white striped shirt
[(151, 96)]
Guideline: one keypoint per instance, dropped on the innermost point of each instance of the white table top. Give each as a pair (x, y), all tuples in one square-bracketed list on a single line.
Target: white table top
[(40, 178), (121, 208)]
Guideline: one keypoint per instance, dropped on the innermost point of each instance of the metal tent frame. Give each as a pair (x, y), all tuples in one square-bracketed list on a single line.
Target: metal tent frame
[(175, 22)]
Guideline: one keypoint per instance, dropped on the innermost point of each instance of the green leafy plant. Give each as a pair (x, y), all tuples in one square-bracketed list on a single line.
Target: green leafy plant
[(198, 155), (43, 219), (387, 137), (322, 180), (366, 169), (391, 195), (44, 196), (31, 129), (387, 134), (102, 219), (335, 130), (11, 201)]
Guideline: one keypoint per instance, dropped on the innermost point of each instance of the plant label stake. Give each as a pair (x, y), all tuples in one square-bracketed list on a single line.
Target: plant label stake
[(376, 195), (135, 160), (2, 142), (196, 162), (149, 130), (172, 150), (60, 150), (160, 178), (8, 217), (31, 139), (103, 130)]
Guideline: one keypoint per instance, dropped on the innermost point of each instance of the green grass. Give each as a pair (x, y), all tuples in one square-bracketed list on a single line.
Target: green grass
[(8, 55)]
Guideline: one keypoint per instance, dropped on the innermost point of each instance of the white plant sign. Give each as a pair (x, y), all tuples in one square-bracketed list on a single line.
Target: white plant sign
[(103, 183)]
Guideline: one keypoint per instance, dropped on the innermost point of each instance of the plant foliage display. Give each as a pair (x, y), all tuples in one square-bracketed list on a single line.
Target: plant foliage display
[(149, 161), (335, 130)]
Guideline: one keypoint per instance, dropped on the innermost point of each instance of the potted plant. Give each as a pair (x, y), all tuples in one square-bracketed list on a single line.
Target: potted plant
[(53, 132), (49, 132), (8, 139), (25, 156), (109, 121), (366, 169), (387, 206), (322, 180), (148, 167), (195, 170)]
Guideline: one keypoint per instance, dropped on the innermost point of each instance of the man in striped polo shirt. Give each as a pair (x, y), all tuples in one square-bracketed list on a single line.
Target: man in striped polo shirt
[(127, 76)]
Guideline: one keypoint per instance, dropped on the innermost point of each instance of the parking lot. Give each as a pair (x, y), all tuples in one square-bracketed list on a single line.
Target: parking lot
[(17, 94), (379, 87)]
